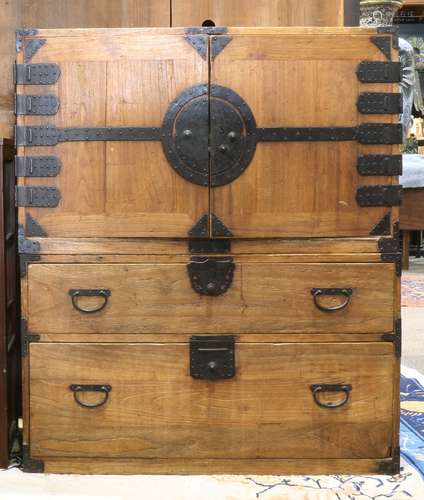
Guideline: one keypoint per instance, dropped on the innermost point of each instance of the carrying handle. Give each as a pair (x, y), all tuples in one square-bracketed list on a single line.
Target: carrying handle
[(318, 292), (78, 388), (318, 388), (75, 293)]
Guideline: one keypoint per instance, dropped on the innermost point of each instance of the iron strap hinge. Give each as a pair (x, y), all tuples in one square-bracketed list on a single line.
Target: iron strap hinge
[(37, 166), (366, 133), (37, 196), (36, 74), (379, 72), (384, 165), (379, 196), (50, 136), (37, 105), (380, 103)]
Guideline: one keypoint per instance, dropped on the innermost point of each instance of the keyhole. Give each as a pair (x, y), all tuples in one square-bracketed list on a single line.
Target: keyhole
[(208, 22)]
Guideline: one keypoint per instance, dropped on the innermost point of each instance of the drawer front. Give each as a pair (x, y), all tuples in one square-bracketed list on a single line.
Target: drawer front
[(264, 297), (150, 406)]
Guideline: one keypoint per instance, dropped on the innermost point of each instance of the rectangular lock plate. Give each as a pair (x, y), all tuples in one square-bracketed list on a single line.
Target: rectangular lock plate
[(212, 357)]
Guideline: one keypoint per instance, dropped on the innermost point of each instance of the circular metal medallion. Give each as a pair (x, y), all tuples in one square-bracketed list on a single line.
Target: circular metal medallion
[(209, 135)]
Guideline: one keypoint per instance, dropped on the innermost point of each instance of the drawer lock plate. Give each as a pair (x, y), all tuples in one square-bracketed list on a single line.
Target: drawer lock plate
[(212, 357)]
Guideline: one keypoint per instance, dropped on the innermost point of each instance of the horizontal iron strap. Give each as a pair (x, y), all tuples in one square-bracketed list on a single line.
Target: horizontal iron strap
[(367, 133), (50, 136)]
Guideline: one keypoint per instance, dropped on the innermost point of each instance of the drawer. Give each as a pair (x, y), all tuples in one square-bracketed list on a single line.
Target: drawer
[(264, 297), (150, 406)]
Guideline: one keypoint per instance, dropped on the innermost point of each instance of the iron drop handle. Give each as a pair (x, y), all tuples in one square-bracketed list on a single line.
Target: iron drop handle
[(318, 388), (318, 292), (78, 388), (75, 294)]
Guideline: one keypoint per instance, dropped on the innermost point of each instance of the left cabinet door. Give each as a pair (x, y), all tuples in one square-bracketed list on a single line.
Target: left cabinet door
[(115, 92)]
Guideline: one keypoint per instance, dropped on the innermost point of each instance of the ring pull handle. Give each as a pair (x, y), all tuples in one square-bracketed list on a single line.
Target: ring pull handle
[(78, 388), (319, 292), (76, 293), (318, 388)]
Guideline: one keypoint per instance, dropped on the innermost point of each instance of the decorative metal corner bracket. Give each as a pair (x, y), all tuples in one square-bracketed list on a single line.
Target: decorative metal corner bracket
[(395, 337), (200, 44), (382, 228), (219, 228), (24, 260), (26, 246), (384, 44), (218, 44), (29, 464), (32, 47), (27, 338), (392, 467), (21, 33), (33, 228), (393, 31)]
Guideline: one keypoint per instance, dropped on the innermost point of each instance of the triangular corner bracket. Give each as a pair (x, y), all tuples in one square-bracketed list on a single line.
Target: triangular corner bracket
[(33, 228), (382, 228), (218, 44), (219, 228), (201, 228), (384, 44), (199, 43)]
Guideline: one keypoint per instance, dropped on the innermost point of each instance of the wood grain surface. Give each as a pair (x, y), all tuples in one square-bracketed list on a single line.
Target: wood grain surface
[(156, 410), (158, 298)]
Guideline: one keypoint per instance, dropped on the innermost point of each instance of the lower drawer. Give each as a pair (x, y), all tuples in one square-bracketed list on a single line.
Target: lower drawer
[(150, 407)]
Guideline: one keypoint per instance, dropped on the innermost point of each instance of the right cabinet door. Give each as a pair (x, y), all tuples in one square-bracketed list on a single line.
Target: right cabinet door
[(320, 112)]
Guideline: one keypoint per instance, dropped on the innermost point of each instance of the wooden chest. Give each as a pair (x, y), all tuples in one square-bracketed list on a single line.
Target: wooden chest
[(209, 250)]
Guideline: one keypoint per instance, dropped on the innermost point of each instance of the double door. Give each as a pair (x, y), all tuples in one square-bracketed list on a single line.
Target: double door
[(174, 133)]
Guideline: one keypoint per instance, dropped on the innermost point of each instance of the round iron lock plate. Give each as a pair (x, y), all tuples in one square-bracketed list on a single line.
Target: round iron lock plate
[(209, 135)]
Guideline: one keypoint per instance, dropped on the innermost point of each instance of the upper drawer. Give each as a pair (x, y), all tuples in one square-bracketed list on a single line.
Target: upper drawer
[(264, 297)]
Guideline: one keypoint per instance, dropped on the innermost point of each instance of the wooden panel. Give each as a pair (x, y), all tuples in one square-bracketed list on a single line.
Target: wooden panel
[(158, 298), (121, 189), (156, 409), (301, 78), (258, 12), (412, 210)]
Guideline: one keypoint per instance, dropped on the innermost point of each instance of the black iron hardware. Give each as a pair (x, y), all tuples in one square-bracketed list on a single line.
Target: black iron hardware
[(200, 44), (33, 228), (379, 103), (49, 135), (201, 228), (366, 133), (319, 292), (379, 196), (218, 44), (219, 228), (317, 389), (24, 260), (379, 72), (220, 245), (206, 30), (21, 33), (37, 105), (27, 337), (382, 228), (212, 357), (37, 196), (393, 31), (36, 74), (37, 166), (32, 46), (390, 467), (384, 44), (103, 388), (390, 250), (396, 338), (26, 246), (211, 275), (76, 293), (29, 464), (384, 165)]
